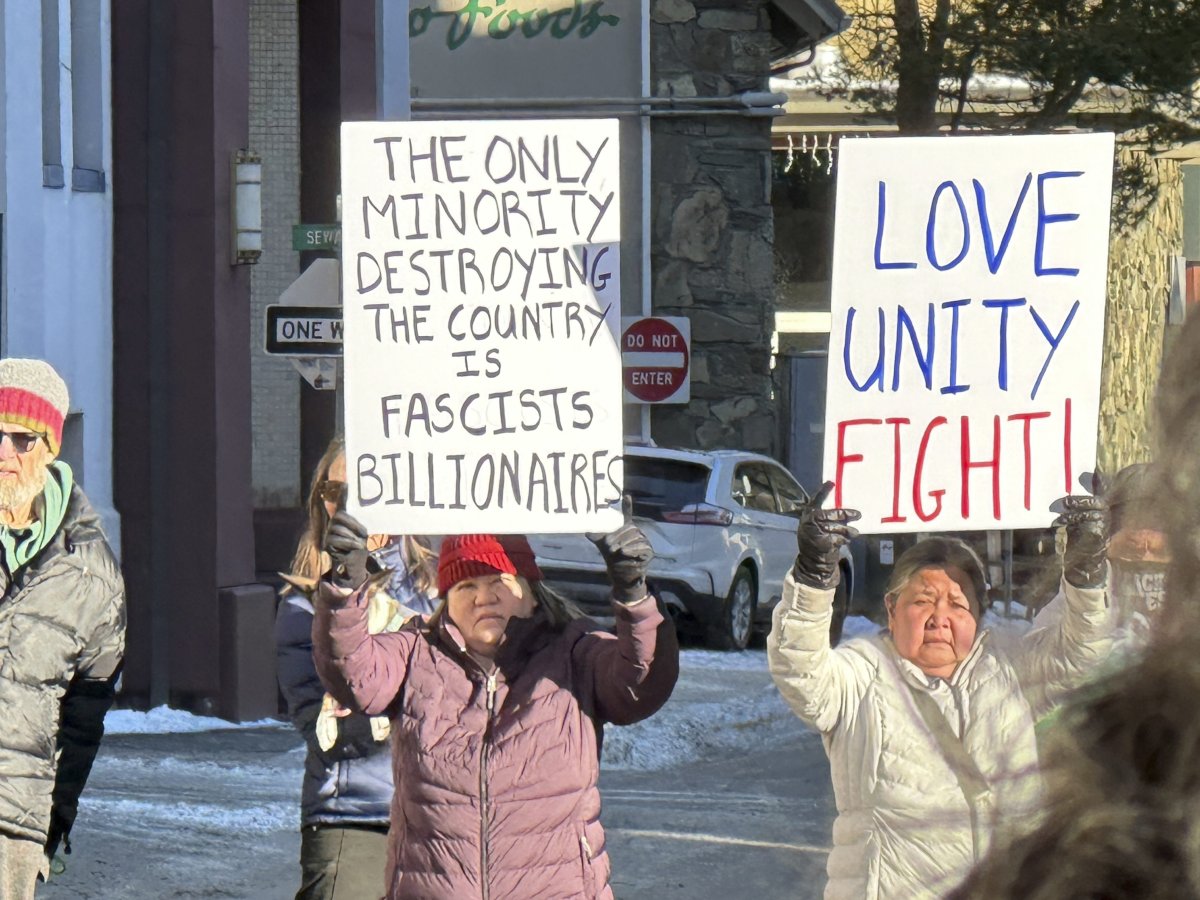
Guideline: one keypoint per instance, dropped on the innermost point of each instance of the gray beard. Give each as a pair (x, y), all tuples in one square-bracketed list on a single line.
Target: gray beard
[(22, 491)]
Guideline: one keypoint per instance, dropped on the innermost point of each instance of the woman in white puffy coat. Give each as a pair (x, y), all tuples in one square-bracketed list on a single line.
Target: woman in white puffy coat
[(929, 725)]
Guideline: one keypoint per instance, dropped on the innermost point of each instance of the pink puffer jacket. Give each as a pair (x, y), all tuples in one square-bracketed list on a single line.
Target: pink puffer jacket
[(496, 773)]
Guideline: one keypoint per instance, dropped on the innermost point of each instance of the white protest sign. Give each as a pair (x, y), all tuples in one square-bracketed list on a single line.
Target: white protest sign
[(968, 318), (481, 296)]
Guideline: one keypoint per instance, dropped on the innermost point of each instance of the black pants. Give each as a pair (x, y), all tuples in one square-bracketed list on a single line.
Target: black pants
[(342, 863)]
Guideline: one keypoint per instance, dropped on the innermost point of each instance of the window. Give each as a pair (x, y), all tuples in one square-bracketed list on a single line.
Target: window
[(87, 97), (752, 488), (52, 170), (791, 495), (663, 485)]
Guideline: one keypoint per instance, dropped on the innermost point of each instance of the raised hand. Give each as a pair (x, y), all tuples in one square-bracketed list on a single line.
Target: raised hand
[(819, 539), (627, 554), (346, 544), (1085, 518)]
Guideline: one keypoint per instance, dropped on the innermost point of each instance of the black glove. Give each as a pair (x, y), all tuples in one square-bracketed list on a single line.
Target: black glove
[(346, 544), (1086, 556), (819, 538), (627, 554), (57, 836)]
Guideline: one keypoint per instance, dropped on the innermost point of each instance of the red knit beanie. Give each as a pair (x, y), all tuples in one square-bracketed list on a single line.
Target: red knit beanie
[(472, 555), (34, 396)]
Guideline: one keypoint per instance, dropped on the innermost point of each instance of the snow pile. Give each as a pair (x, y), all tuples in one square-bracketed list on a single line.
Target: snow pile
[(164, 720), (723, 702)]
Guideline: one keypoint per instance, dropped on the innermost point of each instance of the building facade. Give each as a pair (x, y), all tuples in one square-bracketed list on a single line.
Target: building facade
[(216, 441), (56, 245)]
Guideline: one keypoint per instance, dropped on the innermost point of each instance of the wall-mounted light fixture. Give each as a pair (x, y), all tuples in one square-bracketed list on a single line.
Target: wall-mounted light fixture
[(247, 236)]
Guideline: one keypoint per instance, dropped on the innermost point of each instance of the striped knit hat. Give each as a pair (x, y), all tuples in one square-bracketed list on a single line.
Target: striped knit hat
[(34, 396), (470, 555)]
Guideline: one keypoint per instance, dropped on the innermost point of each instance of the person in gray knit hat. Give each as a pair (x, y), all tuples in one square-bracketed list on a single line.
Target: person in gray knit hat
[(62, 629)]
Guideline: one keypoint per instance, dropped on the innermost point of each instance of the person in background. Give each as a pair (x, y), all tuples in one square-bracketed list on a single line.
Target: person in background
[(62, 629), (929, 727), (1139, 555), (347, 789), (1122, 819), (498, 702)]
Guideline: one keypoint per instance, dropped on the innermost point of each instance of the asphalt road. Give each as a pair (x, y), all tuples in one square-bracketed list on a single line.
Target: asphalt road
[(738, 806)]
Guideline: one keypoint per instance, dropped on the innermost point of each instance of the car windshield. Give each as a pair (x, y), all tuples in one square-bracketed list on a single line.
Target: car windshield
[(663, 485)]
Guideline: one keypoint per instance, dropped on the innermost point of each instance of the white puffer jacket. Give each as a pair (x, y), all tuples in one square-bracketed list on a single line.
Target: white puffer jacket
[(905, 829)]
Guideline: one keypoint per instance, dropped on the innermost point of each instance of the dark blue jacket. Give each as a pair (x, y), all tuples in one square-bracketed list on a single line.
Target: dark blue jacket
[(351, 783)]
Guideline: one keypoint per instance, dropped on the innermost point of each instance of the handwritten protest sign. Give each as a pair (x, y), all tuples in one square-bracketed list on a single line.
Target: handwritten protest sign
[(968, 318), (481, 296)]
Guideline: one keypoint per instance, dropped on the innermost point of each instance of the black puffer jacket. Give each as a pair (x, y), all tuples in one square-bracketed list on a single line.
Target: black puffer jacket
[(62, 638)]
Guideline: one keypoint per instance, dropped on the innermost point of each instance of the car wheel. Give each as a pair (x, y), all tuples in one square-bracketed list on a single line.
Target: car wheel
[(841, 606), (736, 624)]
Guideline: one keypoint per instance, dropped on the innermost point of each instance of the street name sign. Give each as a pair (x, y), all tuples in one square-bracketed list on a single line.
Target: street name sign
[(317, 237)]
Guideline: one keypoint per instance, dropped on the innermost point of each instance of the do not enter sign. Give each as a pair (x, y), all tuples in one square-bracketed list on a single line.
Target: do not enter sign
[(655, 353)]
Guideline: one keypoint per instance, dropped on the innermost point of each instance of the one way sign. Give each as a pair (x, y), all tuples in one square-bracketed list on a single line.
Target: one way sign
[(304, 330)]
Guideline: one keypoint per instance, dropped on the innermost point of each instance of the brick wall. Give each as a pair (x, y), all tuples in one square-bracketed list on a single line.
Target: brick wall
[(275, 134)]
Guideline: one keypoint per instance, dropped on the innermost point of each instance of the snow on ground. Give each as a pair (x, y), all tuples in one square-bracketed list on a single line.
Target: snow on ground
[(723, 702), (164, 720)]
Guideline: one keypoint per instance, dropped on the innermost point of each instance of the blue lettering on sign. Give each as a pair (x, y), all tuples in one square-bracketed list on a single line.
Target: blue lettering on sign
[(876, 376), (994, 253), (924, 360), (905, 330), (879, 220), (1053, 340), (931, 228), (953, 387), (1044, 219)]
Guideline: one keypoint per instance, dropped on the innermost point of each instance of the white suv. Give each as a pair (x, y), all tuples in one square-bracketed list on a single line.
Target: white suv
[(723, 527)]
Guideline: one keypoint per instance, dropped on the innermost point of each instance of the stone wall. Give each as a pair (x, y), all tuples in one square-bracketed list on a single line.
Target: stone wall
[(275, 134), (1135, 324), (712, 226)]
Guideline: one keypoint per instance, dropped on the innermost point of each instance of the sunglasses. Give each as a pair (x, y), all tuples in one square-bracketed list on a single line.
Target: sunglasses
[(22, 441), (331, 491)]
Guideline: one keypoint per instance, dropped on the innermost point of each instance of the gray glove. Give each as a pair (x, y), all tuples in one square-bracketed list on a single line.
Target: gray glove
[(819, 538), (1086, 521), (346, 544), (627, 554)]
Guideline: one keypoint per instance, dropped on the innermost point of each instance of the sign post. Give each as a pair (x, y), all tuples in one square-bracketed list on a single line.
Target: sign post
[(656, 356), (968, 320), (481, 297)]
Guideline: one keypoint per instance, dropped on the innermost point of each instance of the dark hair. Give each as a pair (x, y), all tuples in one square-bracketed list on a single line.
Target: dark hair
[(1135, 497), (938, 553)]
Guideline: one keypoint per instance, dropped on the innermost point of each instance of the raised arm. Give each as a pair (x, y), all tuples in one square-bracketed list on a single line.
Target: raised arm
[(362, 671), (820, 684), (1058, 654), (632, 675)]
